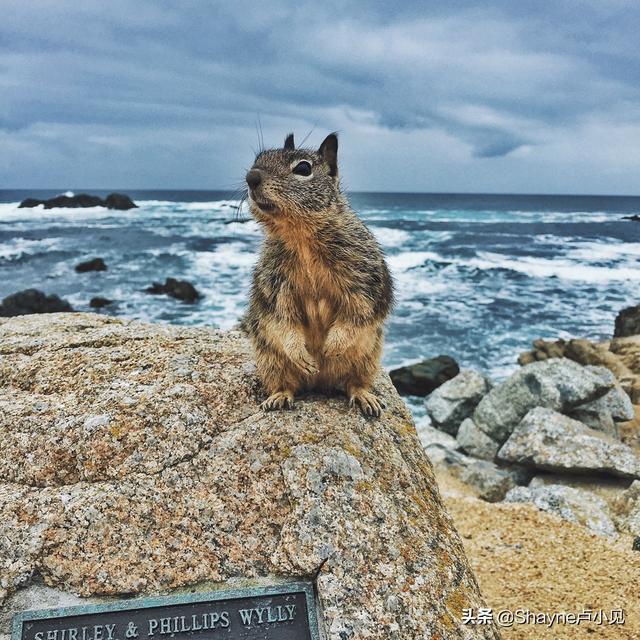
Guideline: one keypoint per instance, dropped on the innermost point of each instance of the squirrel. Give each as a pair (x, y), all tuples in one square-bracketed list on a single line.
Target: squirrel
[(321, 289)]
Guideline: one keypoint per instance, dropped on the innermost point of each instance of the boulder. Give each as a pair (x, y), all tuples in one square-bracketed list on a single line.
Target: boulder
[(430, 435), (179, 289), (557, 383), (476, 442), (32, 301), (456, 399), (422, 378), (627, 322), (490, 481), (99, 302), (575, 505), (547, 440), (626, 508), (119, 201), (95, 264), (136, 460), (603, 414)]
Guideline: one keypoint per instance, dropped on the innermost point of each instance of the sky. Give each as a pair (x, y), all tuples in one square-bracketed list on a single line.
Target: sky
[(494, 96)]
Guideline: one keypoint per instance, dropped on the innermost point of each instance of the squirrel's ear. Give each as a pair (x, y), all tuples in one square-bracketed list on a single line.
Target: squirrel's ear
[(288, 143), (329, 152)]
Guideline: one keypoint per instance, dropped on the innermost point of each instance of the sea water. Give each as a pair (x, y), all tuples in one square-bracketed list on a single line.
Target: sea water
[(477, 277)]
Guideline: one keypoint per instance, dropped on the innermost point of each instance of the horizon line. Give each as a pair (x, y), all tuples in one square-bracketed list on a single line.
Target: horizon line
[(356, 191)]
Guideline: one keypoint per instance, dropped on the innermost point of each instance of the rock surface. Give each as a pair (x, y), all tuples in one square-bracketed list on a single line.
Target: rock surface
[(32, 301), (422, 378), (627, 509), (476, 442), (456, 400), (548, 440), (558, 384), (135, 460), (95, 264), (179, 289), (574, 505), (490, 481)]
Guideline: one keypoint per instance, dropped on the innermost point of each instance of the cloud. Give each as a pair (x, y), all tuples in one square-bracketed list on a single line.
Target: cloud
[(121, 84)]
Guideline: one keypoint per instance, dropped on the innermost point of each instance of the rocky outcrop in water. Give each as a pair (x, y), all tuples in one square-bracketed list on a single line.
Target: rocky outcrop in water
[(179, 289), (32, 301), (423, 377), (95, 264), (627, 323), (82, 200), (136, 460)]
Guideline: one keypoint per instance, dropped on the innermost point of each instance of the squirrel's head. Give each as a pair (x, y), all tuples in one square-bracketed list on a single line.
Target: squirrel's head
[(294, 182)]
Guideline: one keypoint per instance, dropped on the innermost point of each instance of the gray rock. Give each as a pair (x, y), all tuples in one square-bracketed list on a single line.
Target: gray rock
[(545, 439), (192, 483), (557, 383), (627, 322), (443, 456), (456, 399), (430, 435), (476, 442), (491, 481), (575, 505), (603, 413), (627, 509)]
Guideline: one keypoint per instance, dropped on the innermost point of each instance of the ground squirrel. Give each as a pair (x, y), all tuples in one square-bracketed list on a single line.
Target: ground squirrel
[(321, 289)]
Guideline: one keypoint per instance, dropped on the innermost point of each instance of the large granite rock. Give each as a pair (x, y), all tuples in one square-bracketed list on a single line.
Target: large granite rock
[(558, 384), (574, 505), (421, 378), (620, 356), (135, 460), (456, 399), (32, 301), (603, 414), (548, 440)]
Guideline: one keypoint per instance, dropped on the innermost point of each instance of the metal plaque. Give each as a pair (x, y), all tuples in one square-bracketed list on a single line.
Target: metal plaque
[(282, 612)]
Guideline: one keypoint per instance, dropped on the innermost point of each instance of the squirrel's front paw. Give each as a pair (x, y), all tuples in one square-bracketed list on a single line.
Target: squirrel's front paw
[(305, 362)]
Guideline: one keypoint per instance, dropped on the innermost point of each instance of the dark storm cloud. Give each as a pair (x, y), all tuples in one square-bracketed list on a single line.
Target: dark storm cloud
[(106, 92)]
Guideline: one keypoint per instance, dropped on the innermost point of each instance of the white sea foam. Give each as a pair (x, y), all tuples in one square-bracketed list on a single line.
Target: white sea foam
[(391, 237), (18, 247), (562, 268)]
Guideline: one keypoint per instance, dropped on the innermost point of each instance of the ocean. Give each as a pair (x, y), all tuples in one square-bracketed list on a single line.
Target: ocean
[(478, 277)]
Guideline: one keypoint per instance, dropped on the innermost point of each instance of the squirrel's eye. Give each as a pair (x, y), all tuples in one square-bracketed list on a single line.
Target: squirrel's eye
[(303, 168)]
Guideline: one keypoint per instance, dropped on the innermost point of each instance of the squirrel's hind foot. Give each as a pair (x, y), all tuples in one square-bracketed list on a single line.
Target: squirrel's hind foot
[(368, 403), (278, 400)]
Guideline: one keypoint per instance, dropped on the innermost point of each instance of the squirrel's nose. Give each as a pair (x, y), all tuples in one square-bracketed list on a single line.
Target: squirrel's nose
[(254, 178)]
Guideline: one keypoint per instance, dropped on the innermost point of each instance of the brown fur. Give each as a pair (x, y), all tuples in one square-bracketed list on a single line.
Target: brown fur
[(321, 289)]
